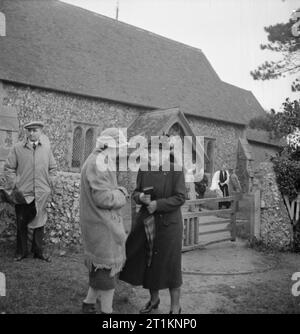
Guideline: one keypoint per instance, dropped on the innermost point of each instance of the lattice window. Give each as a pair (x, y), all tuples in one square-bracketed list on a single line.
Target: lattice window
[(77, 147), (84, 138), (89, 142)]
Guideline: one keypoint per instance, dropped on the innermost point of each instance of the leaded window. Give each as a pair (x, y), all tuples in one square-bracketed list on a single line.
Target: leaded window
[(83, 143)]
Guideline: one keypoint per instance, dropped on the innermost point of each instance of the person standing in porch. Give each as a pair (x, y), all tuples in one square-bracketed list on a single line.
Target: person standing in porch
[(31, 167), (234, 185), (220, 183)]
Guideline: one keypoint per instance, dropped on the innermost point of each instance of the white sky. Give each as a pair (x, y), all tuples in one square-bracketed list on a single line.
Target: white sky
[(229, 33)]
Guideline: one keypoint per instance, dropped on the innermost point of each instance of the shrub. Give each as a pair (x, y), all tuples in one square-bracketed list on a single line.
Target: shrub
[(287, 162), (263, 122), (287, 170)]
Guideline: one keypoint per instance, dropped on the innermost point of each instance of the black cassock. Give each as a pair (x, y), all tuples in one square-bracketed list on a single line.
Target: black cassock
[(224, 188)]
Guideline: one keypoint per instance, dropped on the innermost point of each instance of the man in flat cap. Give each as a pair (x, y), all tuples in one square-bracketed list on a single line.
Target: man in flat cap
[(31, 166)]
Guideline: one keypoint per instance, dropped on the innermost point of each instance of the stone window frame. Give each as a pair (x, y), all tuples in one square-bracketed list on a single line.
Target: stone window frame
[(2, 25), (84, 150), (212, 156), (207, 140)]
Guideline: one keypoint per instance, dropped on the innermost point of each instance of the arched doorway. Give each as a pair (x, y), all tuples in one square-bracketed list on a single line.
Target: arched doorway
[(177, 130)]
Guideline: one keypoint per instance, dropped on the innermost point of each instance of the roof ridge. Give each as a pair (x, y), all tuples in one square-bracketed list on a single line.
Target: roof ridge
[(130, 25), (160, 110), (230, 84)]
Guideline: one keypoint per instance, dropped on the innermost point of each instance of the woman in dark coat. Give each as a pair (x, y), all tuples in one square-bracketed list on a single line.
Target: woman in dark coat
[(164, 271)]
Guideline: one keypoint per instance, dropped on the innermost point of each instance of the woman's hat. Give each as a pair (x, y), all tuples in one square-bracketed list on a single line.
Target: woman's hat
[(111, 137)]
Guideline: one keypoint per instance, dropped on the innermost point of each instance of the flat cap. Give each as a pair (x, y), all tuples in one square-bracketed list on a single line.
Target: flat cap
[(34, 124)]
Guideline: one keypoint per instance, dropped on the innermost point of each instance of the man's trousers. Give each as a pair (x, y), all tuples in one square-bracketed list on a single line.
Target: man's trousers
[(25, 213)]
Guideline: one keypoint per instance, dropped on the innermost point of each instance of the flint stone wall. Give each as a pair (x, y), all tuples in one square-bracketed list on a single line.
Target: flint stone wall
[(261, 153), (59, 110), (63, 225), (275, 226), (226, 135)]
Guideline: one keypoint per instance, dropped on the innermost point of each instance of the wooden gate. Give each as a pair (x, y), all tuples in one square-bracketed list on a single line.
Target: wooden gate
[(193, 226)]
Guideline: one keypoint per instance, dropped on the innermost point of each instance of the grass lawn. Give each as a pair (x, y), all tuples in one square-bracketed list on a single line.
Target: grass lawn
[(261, 297), (34, 286)]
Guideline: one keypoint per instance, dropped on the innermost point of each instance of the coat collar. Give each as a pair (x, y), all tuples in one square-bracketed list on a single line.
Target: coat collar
[(26, 143)]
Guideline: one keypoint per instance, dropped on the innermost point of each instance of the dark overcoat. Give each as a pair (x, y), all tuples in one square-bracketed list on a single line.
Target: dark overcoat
[(165, 269)]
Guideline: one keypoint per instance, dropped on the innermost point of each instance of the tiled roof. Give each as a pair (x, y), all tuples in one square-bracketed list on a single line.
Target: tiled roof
[(158, 122), (245, 101), (58, 46), (263, 137)]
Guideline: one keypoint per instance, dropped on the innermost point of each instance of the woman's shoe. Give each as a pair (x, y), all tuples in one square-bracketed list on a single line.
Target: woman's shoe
[(20, 257), (88, 308), (149, 307), (42, 257), (179, 311)]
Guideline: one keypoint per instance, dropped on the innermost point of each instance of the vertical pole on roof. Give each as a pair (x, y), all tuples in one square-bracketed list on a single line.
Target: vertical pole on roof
[(117, 11)]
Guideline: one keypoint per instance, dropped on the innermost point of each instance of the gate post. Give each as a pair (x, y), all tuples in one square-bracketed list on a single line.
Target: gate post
[(255, 207), (196, 231), (233, 219)]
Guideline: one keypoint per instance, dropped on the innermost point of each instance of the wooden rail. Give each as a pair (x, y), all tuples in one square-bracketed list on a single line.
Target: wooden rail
[(192, 222), (293, 208)]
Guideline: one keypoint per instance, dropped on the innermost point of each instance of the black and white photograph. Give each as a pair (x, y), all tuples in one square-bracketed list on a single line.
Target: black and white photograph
[(149, 159)]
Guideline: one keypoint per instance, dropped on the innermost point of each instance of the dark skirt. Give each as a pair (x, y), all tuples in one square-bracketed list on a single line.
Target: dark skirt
[(165, 269), (99, 279)]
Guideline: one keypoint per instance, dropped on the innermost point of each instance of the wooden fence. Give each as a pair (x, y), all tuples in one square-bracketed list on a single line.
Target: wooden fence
[(193, 226), (293, 208)]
